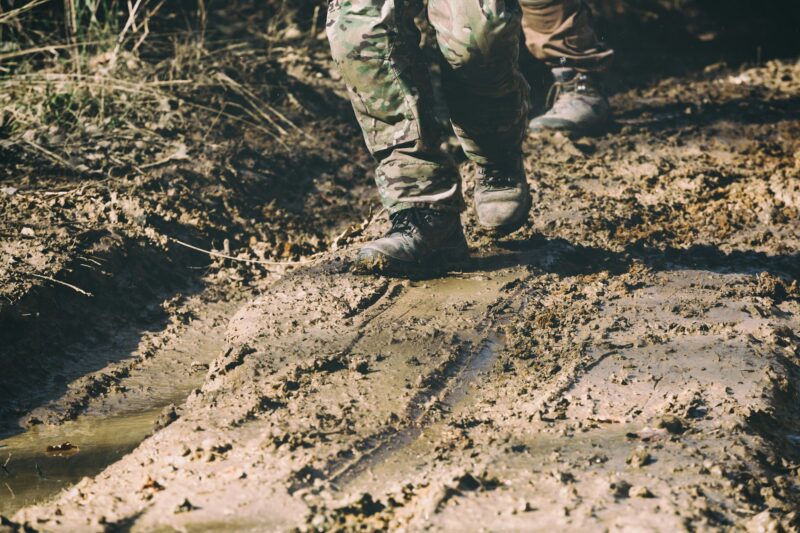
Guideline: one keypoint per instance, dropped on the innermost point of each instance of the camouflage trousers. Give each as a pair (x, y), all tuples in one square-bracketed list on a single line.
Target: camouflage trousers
[(376, 46)]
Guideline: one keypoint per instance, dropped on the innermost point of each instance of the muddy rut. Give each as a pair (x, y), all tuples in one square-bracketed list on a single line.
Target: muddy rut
[(629, 361)]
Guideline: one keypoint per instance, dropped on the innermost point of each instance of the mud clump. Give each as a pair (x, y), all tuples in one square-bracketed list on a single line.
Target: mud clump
[(776, 289), (168, 415), (639, 458), (672, 424)]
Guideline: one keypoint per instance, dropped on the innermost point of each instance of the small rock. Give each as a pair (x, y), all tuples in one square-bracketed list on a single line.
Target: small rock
[(762, 523), (168, 415), (523, 507), (152, 484), (620, 489), (185, 507), (638, 491), (717, 471), (197, 366), (28, 233), (563, 476), (292, 32), (639, 457), (673, 424), (360, 365)]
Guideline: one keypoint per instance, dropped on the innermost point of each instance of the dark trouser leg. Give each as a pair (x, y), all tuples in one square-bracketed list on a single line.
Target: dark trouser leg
[(486, 93), (560, 33)]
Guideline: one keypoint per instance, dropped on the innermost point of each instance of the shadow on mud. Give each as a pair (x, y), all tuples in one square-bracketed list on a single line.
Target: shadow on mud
[(55, 335), (688, 114), (559, 256)]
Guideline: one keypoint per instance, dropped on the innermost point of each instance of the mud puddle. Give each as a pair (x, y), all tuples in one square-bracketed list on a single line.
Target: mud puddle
[(38, 463), (156, 378)]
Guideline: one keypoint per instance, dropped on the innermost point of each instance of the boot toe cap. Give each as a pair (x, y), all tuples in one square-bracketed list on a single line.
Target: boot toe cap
[(503, 214), (384, 256), (499, 214)]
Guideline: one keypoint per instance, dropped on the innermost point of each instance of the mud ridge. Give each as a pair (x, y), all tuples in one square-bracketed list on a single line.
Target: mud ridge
[(45, 334)]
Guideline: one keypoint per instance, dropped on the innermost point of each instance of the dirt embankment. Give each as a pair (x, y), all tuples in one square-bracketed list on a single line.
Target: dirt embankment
[(109, 173), (630, 360)]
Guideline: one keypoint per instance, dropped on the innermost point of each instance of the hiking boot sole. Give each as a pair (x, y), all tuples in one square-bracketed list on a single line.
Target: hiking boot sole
[(440, 262), (571, 129)]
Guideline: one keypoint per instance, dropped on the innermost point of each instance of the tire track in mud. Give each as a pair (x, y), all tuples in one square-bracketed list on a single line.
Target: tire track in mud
[(442, 382), (419, 343), (448, 389), (578, 449)]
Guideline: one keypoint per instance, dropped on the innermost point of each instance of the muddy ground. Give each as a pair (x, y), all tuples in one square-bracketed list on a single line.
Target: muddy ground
[(628, 361)]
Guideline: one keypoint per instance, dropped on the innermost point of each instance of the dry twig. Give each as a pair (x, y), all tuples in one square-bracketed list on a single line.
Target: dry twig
[(52, 155), (64, 283), (212, 253), (128, 24)]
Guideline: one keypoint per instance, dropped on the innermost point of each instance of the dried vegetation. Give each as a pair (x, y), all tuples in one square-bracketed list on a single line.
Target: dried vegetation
[(212, 124)]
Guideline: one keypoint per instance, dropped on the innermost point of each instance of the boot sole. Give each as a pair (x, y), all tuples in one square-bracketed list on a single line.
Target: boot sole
[(435, 265), (502, 231), (594, 130)]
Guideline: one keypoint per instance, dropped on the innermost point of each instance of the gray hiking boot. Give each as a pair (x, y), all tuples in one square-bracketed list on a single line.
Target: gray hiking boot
[(502, 197), (421, 241), (577, 104)]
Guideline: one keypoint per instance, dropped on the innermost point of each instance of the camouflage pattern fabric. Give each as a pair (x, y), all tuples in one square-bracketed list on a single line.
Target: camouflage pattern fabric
[(375, 44)]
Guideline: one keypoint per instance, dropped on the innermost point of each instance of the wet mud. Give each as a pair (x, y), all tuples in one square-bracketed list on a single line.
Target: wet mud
[(629, 361), (39, 463)]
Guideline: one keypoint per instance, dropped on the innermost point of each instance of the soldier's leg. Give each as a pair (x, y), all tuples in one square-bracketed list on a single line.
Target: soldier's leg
[(486, 93), (376, 47), (488, 101), (560, 33)]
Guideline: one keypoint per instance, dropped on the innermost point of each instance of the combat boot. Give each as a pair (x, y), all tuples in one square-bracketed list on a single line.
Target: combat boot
[(421, 241), (502, 197), (577, 105)]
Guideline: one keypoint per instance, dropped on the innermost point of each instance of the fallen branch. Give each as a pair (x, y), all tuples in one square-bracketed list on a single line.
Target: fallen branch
[(239, 259), (63, 283)]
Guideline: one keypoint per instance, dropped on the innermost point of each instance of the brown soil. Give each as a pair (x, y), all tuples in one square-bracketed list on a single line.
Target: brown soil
[(630, 360), (93, 236)]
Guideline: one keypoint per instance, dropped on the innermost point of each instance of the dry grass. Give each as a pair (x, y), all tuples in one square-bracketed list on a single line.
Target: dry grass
[(137, 84)]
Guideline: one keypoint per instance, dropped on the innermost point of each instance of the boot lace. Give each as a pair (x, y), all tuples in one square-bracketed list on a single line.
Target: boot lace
[(495, 177), (415, 220), (580, 83), (404, 222)]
